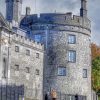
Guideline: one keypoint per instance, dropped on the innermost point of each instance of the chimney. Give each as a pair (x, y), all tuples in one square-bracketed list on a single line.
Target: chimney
[(28, 10), (83, 10)]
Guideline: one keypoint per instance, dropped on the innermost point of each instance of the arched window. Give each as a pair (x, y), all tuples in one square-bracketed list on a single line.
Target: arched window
[(4, 68)]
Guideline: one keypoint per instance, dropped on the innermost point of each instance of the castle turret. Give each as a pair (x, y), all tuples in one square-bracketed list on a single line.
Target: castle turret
[(83, 10), (13, 10), (28, 10)]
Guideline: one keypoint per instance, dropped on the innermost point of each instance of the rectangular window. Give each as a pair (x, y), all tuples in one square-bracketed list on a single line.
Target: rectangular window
[(27, 70), (84, 73), (28, 52), (37, 38), (17, 67), (72, 56), (62, 71), (37, 72), (17, 48), (37, 55), (71, 39)]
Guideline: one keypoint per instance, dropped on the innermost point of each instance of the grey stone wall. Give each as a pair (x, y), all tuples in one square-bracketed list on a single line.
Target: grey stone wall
[(73, 82), (55, 19), (57, 55), (32, 79), (4, 38)]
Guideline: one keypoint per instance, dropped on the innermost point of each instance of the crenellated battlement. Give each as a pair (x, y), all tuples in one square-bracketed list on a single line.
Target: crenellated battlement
[(28, 42), (66, 19), (57, 19)]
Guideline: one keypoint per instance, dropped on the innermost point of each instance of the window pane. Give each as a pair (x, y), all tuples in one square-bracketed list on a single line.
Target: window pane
[(71, 39), (37, 72), (17, 67), (28, 52), (84, 73), (38, 38), (37, 55), (16, 48), (62, 71), (72, 56), (27, 70)]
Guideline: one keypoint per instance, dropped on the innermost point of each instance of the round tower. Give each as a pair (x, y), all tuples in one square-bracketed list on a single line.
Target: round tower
[(67, 63), (68, 67)]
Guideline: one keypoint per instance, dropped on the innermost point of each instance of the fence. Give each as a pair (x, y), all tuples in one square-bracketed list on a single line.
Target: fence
[(11, 92)]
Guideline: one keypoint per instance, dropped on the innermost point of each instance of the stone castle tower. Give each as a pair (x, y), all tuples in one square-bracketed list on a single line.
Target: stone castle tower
[(67, 51), (68, 54), (13, 10)]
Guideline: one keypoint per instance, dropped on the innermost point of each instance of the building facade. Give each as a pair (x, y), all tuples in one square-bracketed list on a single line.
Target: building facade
[(21, 61), (67, 57), (68, 52)]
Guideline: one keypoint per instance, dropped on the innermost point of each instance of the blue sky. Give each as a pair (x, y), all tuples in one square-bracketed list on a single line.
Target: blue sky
[(64, 6)]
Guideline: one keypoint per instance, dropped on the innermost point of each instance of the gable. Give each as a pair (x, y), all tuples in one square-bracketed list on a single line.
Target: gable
[(3, 22)]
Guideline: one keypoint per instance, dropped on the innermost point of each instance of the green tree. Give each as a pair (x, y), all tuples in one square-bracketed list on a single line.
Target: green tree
[(96, 74)]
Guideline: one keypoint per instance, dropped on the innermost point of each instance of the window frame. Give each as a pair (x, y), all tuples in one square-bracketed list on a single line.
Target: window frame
[(17, 67), (27, 69), (38, 37), (72, 60), (37, 55), (16, 48), (85, 73), (61, 71), (37, 71), (70, 41), (27, 52)]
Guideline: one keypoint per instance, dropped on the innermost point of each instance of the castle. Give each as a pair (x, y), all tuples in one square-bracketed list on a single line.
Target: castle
[(50, 52)]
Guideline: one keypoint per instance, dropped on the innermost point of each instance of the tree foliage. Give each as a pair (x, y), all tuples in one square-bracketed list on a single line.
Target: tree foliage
[(95, 50), (96, 74), (95, 67)]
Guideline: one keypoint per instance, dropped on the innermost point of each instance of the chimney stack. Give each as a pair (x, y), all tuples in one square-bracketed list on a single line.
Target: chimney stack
[(83, 10), (28, 10)]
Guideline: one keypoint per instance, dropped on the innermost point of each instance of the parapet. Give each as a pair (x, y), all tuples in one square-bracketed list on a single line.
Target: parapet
[(28, 42), (56, 19), (67, 19)]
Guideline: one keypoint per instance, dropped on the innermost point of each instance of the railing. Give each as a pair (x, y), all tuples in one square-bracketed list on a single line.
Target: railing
[(11, 92)]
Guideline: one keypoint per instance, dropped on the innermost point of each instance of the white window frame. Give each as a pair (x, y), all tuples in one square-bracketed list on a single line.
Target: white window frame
[(72, 56), (71, 39)]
